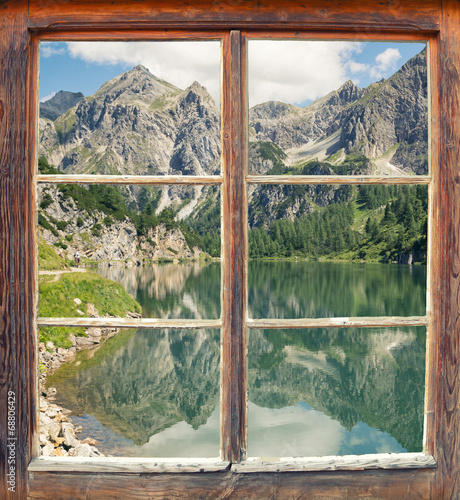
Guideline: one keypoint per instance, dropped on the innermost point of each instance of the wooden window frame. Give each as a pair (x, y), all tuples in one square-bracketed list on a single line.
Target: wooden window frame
[(22, 23)]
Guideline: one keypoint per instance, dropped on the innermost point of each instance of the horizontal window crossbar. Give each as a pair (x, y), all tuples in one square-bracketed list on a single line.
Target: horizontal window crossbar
[(129, 179), (130, 323), (358, 322), (335, 179)]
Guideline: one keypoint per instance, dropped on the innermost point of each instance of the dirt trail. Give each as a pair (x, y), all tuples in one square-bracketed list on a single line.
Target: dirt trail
[(57, 274)]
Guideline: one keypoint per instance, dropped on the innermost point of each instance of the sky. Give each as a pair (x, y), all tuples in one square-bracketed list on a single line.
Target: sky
[(296, 72)]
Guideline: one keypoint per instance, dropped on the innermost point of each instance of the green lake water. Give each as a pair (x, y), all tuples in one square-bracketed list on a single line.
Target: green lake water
[(312, 392)]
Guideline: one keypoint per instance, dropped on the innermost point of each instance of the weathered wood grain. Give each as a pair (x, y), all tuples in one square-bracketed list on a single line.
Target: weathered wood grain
[(117, 465), (17, 344), (444, 383), (131, 322), (234, 250), (349, 462), (129, 179), (311, 34), (32, 258), (388, 484), (148, 34), (336, 179), (358, 322), (355, 15)]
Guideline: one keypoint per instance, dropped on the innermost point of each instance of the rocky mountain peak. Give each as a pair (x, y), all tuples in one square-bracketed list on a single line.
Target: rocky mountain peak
[(59, 104), (392, 112), (194, 93), (270, 110), (349, 92), (136, 85)]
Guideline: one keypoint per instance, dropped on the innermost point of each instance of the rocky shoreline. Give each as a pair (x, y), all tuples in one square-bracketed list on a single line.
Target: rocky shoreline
[(57, 432)]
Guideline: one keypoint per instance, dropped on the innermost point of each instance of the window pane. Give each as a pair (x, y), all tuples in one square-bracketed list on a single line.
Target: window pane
[(146, 393), (143, 250), (148, 108), (326, 392), (343, 108), (325, 251)]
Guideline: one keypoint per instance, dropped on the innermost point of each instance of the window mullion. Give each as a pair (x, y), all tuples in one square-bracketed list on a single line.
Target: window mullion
[(234, 249)]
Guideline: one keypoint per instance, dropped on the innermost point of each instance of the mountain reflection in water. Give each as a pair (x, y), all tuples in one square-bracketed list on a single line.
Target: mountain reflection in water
[(311, 392)]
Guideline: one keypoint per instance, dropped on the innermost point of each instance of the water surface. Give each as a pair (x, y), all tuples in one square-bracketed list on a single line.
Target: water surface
[(311, 392)]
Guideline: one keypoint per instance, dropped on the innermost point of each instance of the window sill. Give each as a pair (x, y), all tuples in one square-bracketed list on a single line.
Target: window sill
[(118, 465), (336, 463), (135, 465)]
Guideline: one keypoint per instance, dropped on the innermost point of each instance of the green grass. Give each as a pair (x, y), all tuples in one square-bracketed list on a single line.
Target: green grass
[(56, 299), (49, 260)]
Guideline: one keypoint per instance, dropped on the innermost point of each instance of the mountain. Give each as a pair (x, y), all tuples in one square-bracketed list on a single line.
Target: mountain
[(137, 124), (59, 104), (393, 114), (290, 126), (386, 122)]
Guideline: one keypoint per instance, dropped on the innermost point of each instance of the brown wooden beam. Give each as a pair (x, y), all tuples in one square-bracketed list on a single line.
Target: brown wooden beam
[(18, 375), (234, 250), (444, 366), (390, 484), (356, 15)]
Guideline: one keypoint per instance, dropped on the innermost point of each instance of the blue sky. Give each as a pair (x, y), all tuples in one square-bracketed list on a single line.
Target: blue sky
[(290, 71)]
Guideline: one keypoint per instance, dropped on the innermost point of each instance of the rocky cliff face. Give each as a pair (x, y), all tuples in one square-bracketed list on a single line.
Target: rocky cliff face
[(104, 242), (387, 122), (392, 113)]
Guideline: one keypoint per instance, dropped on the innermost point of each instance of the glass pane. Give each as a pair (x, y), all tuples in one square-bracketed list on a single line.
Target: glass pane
[(145, 393), (143, 251), (337, 108), (147, 108), (331, 391), (328, 251)]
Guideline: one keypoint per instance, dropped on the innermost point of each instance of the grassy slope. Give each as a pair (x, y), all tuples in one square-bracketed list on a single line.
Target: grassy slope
[(49, 260), (56, 299)]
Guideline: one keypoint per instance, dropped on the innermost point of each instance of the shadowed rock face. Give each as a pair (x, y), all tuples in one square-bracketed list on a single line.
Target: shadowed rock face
[(59, 104)]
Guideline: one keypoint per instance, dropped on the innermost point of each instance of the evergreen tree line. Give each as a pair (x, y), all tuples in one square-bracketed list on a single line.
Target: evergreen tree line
[(397, 223)]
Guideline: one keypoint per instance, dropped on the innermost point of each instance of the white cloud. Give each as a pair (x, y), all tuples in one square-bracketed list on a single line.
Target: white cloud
[(386, 62), (48, 97), (296, 71), (49, 49), (356, 67), (180, 63)]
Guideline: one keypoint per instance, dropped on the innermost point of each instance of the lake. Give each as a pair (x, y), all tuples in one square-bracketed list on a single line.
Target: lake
[(312, 392)]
